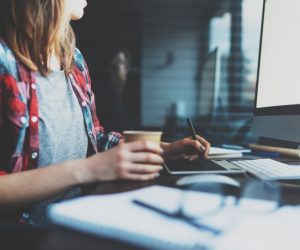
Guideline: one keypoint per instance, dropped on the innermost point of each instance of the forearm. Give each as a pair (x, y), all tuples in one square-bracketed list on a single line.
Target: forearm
[(133, 161), (25, 188)]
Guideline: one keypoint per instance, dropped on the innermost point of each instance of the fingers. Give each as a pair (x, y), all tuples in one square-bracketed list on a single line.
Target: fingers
[(139, 160), (201, 145), (139, 172), (205, 144), (146, 157), (139, 177), (144, 169), (138, 146), (196, 145)]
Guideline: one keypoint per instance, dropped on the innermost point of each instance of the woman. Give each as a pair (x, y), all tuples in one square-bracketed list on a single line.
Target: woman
[(50, 138)]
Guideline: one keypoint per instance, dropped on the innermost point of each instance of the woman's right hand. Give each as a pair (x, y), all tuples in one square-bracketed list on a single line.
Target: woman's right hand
[(139, 160)]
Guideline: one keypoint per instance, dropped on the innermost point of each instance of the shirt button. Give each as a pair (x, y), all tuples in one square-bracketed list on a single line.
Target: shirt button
[(83, 104), (23, 120), (34, 155), (25, 216), (34, 119), (33, 86)]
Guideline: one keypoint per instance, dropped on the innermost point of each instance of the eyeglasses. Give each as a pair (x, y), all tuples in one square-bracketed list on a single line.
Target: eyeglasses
[(196, 207)]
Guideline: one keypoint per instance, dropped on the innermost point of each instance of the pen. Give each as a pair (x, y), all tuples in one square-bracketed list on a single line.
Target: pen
[(194, 135), (191, 127)]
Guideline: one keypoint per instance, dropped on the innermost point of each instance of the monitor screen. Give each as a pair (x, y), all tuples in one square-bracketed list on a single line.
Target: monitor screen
[(279, 75), (277, 111)]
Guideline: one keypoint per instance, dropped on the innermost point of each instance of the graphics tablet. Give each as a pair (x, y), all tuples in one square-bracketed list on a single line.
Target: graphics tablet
[(201, 166)]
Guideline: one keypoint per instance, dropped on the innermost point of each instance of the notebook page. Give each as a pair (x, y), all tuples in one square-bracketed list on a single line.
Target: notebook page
[(116, 216)]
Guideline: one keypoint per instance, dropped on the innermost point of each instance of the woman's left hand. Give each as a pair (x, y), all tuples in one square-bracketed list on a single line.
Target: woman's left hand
[(186, 148)]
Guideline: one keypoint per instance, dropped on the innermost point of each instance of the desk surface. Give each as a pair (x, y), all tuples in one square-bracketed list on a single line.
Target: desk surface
[(65, 239)]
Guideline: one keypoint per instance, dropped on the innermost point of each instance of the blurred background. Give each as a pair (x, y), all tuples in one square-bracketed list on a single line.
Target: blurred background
[(153, 63)]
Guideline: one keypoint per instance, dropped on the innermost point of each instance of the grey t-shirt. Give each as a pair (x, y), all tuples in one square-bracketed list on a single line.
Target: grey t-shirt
[(62, 133)]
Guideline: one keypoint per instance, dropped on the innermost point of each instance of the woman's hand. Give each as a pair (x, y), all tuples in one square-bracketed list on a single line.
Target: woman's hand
[(186, 148), (139, 160)]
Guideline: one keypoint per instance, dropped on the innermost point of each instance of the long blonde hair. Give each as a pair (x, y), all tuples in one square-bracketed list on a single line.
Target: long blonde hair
[(34, 29)]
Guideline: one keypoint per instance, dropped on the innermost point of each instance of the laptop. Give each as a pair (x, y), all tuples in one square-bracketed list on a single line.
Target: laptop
[(201, 166)]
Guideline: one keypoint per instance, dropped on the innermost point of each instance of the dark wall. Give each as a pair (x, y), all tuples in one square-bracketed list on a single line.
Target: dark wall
[(103, 30)]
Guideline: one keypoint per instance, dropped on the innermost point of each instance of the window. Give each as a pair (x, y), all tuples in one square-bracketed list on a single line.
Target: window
[(236, 34)]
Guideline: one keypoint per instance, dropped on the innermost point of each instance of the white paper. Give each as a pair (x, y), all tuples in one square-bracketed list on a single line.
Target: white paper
[(217, 153), (276, 231), (116, 216)]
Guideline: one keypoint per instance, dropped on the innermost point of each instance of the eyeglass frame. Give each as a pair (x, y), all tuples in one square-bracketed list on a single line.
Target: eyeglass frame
[(179, 214)]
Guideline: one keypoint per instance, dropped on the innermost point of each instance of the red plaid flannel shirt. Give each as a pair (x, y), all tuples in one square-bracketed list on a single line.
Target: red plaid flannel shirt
[(19, 112)]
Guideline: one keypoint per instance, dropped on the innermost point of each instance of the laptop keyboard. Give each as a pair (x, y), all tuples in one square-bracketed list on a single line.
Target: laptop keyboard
[(268, 169)]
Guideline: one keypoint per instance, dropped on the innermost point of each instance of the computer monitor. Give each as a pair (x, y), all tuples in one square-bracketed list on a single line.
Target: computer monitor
[(208, 92), (277, 106)]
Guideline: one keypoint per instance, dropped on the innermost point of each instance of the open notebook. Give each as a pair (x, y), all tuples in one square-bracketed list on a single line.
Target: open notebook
[(221, 153), (117, 217)]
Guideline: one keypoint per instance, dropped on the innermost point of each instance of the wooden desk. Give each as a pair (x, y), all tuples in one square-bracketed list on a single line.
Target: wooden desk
[(65, 239)]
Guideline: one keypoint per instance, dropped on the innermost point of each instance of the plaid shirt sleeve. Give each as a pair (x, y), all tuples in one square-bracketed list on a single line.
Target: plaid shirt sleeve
[(1, 122), (104, 141)]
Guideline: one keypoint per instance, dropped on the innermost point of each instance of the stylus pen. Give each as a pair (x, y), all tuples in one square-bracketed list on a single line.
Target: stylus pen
[(191, 127), (194, 135)]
